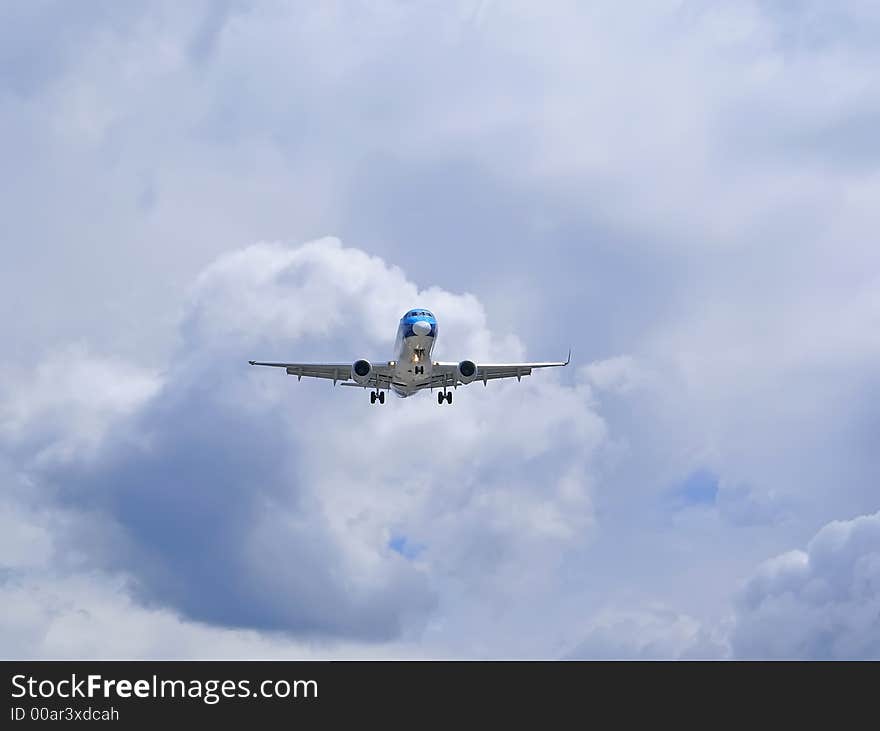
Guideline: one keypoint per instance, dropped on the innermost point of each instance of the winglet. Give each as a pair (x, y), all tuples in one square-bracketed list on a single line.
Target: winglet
[(568, 360)]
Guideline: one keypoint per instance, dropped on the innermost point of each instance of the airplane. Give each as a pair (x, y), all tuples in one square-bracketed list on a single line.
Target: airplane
[(412, 370)]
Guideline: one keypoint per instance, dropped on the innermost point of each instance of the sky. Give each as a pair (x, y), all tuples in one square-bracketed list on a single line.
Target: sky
[(683, 193)]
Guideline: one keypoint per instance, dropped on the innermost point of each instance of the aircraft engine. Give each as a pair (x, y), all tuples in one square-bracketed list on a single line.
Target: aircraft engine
[(361, 370), (467, 371)]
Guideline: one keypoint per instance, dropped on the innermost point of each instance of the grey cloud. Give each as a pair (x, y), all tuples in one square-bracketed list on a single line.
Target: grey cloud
[(202, 485), (40, 39), (684, 186), (215, 523), (241, 498)]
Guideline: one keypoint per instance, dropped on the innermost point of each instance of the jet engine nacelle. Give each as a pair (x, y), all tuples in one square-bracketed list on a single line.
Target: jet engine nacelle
[(467, 371), (361, 371)]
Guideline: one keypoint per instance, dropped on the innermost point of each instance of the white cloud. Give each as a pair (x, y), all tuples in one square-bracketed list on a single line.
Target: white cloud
[(653, 632), (823, 602), (619, 375), (65, 404), (690, 184), (237, 496)]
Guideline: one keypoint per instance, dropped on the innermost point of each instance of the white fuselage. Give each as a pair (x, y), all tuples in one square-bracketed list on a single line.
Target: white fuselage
[(415, 342)]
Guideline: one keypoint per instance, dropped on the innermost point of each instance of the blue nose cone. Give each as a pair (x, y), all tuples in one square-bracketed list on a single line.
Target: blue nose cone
[(421, 327)]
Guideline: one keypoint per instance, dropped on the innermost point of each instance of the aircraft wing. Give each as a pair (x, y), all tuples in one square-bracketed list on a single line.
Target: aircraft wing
[(379, 378), (446, 374)]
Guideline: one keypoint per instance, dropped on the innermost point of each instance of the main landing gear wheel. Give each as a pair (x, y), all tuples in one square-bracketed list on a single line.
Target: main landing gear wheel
[(447, 396), (377, 396)]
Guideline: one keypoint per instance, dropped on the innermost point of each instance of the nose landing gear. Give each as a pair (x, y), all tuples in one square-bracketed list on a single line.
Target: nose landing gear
[(377, 396), (444, 396)]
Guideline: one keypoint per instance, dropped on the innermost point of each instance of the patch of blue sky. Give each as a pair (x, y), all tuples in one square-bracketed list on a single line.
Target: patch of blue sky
[(403, 546), (698, 488)]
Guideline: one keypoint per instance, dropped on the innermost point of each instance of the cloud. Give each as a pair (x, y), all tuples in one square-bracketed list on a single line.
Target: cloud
[(616, 375), (654, 632), (65, 404), (91, 614), (240, 498), (821, 603), (684, 193)]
